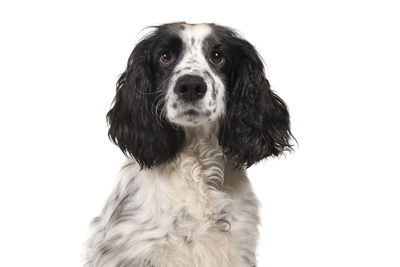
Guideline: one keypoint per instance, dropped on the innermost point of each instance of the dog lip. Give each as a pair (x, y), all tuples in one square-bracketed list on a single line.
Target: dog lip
[(191, 112)]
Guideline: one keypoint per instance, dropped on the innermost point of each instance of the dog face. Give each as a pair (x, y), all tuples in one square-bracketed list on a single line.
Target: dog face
[(186, 67), (196, 89), (185, 75)]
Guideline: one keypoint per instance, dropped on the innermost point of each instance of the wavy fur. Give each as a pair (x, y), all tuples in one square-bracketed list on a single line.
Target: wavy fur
[(183, 197)]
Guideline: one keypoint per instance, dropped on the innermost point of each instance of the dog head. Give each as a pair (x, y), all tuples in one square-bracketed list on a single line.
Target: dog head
[(184, 76)]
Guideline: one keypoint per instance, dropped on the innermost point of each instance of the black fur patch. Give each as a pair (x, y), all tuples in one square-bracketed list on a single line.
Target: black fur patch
[(256, 124)]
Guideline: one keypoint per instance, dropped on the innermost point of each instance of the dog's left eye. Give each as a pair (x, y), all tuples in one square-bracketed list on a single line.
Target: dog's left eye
[(166, 57), (216, 57)]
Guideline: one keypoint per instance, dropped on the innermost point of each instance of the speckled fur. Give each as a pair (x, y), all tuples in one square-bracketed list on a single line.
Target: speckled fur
[(196, 211), (183, 198), (194, 62)]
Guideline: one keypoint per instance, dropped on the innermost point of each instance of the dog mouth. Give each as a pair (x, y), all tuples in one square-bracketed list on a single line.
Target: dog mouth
[(195, 112), (193, 115), (191, 112)]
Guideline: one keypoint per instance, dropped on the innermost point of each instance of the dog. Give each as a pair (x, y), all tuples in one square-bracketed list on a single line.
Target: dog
[(193, 110)]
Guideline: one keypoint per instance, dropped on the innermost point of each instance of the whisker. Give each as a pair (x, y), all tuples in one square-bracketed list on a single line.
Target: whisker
[(149, 93), (159, 100)]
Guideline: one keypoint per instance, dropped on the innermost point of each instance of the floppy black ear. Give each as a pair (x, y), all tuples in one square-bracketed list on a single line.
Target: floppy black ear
[(136, 124), (256, 124)]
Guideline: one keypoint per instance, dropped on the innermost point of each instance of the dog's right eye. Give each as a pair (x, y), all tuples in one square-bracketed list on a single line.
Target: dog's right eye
[(166, 57)]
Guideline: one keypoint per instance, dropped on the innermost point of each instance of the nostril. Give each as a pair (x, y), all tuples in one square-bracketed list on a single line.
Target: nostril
[(200, 89), (183, 89)]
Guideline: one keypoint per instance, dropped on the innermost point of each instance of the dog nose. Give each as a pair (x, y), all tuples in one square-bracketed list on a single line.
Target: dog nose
[(190, 88)]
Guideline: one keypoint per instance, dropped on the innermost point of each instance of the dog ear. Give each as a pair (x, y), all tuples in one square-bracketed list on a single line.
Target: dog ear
[(136, 124), (257, 123)]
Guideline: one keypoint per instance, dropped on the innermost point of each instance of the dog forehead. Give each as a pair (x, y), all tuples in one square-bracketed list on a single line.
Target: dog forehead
[(194, 34)]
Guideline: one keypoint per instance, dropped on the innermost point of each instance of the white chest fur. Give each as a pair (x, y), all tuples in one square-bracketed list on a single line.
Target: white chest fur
[(196, 211)]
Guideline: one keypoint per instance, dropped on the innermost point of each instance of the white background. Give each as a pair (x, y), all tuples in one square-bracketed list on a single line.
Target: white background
[(334, 202)]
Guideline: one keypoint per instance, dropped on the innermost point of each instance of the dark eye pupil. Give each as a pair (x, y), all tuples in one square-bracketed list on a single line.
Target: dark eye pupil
[(216, 57), (166, 57)]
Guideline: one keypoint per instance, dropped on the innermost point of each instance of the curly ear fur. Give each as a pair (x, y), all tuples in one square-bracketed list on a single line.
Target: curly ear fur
[(256, 124), (136, 124)]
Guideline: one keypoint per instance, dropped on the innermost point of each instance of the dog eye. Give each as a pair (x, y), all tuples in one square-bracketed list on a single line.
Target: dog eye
[(166, 57), (216, 57)]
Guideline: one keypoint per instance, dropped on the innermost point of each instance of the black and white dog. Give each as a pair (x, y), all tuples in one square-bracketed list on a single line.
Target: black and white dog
[(192, 111)]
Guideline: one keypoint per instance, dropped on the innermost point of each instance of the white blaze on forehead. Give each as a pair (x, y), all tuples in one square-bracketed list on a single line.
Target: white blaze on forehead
[(196, 32), (193, 37)]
